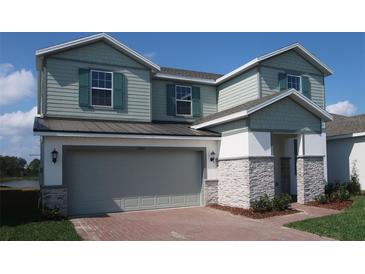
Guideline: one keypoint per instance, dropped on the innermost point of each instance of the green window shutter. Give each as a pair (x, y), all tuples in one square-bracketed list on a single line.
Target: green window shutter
[(306, 87), (170, 100), (119, 91), (196, 102), (84, 88), (283, 82)]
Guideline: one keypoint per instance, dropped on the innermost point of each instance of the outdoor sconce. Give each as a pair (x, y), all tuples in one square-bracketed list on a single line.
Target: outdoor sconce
[(54, 156), (212, 156)]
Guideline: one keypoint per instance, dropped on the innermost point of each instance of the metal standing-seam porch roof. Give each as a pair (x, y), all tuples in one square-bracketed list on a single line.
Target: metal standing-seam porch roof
[(61, 125)]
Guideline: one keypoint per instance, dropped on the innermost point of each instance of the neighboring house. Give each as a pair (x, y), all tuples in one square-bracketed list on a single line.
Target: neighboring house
[(120, 133), (345, 146)]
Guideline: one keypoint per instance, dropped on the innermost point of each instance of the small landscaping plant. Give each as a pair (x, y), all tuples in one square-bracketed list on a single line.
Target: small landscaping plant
[(281, 202), (52, 214), (322, 199), (263, 204), (342, 194), (331, 188)]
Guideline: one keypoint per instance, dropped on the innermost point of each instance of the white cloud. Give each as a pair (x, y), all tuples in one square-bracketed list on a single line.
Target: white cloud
[(15, 84), (5, 68), (150, 55), (342, 108), (16, 136)]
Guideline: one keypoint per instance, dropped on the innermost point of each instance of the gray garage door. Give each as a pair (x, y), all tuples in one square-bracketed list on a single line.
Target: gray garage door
[(110, 180)]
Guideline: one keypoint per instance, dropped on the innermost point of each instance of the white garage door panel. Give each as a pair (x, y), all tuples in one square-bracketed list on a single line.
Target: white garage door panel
[(109, 180)]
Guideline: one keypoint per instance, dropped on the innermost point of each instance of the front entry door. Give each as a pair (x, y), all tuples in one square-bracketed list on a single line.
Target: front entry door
[(285, 174)]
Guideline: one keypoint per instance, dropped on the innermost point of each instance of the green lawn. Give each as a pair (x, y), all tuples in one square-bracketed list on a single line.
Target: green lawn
[(347, 226), (20, 219), (10, 179)]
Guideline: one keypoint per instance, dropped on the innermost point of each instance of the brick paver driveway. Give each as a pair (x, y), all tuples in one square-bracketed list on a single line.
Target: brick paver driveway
[(198, 223)]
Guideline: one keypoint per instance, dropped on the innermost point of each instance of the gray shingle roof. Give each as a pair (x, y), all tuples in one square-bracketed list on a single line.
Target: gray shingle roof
[(190, 73), (116, 127), (238, 108), (345, 125)]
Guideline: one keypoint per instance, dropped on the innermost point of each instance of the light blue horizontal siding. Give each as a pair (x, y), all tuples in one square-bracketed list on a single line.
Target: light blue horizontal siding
[(238, 90), (62, 98), (291, 63), (239, 124), (269, 84), (208, 98), (286, 116), (99, 52)]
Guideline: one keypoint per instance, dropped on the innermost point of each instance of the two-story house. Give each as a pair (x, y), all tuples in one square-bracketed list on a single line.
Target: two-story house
[(121, 133)]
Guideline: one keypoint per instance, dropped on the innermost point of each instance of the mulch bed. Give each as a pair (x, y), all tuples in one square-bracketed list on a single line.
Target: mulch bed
[(339, 205), (251, 214)]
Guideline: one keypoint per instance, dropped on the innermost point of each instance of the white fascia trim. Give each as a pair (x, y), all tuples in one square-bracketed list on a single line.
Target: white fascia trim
[(255, 61), (95, 37), (124, 136), (237, 71), (320, 111), (182, 78), (345, 136), (221, 120)]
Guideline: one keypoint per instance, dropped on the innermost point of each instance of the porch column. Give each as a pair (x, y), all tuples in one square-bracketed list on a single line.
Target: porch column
[(244, 180), (310, 178)]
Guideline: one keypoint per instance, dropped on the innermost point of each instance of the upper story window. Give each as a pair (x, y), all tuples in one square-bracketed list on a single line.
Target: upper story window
[(101, 88), (183, 100), (294, 82)]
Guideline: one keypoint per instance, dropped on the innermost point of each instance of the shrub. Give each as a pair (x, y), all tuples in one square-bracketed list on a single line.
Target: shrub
[(342, 194), (281, 202), (263, 204), (331, 188), (322, 199), (52, 214)]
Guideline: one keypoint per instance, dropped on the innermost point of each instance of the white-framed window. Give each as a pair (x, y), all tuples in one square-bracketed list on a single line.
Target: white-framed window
[(101, 88), (183, 100), (294, 82)]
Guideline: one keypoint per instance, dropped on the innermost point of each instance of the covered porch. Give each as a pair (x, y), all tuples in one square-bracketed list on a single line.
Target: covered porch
[(269, 146)]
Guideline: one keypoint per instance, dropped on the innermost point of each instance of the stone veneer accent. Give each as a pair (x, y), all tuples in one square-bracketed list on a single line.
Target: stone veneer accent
[(244, 180), (55, 197), (262, 179), (211, 192), (310, 178)]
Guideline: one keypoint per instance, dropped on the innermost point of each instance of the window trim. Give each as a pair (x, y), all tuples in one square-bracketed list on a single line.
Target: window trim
[(182, 100), (300, 81), (111, 89)]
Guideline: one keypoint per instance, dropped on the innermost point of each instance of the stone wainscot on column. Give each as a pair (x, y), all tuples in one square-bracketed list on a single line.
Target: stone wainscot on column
[(243, 180), (55, 197), (211, 192), (310, 178)]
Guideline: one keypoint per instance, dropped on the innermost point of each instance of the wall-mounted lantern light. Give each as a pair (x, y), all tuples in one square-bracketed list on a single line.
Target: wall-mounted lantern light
[(212, 156), (54, 156)]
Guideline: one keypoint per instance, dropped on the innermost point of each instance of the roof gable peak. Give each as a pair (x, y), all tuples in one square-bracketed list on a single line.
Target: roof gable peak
[(41, 53)]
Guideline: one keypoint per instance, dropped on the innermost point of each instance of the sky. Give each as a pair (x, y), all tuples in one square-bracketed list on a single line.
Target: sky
[(344, 53)]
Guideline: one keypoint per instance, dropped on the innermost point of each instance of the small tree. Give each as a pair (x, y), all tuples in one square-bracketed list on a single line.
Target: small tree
[(354, 186), (33, 168)]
